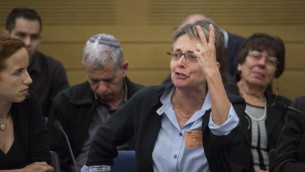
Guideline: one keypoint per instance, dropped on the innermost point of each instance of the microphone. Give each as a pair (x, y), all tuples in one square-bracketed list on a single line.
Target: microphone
[(284, 106), (58, 126)]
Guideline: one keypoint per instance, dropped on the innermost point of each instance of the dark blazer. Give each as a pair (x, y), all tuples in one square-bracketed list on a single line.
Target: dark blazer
[(49, 78), (234, 44), (30, 130), (138, 118), (289, 156), (275, 120), (73, 108)]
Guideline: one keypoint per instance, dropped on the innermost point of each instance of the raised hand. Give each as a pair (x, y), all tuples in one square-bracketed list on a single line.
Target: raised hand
[(206, 52)]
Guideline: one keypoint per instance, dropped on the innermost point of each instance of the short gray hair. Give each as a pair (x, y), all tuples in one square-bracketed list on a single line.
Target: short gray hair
[(101, 49)]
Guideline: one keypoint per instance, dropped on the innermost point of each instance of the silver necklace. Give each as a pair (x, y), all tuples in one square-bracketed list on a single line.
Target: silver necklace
[(179, 111), (257, 119), (4, 126)]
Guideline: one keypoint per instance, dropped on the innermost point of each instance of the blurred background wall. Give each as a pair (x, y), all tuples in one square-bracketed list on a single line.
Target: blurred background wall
[(145, 27)]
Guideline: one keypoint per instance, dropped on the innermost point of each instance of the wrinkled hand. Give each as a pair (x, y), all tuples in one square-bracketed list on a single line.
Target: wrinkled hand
[(39, 167), (206, 52)]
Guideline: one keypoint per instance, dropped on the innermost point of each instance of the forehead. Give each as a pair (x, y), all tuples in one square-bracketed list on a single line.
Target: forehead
[(263, 51), (185, 42), (26, 26), (108, 71), (19, 59)]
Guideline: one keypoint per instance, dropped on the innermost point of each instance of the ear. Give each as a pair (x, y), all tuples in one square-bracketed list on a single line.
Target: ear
[(238, 67), (125, 67), (218, 65), (84, 65)]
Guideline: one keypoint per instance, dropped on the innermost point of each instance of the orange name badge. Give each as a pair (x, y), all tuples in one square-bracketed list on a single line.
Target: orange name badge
[(193, 139)]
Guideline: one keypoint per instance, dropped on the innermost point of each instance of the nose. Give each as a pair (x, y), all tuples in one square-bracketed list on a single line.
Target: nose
[(182, 60), (27, 41), (28, 80), (101, 87), (262, 61)]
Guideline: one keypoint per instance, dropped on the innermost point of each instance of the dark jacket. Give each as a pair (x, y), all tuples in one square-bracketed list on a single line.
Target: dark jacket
[(235, 42), (289, 155), (138, 117), (49, 78), (30, 130), (73, 108), (275, 120)]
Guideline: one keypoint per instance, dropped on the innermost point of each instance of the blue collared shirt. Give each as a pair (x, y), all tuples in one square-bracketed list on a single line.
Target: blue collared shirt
[(170, 153)]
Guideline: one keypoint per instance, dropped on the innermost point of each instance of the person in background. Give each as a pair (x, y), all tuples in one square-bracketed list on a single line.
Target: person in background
[(48, 74), (190, 125), (23, 134), (289, 154), (232, 43), (261, 60), (82, 108)]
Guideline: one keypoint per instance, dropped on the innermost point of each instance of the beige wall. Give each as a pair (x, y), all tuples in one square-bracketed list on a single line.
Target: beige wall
[(144, 28)]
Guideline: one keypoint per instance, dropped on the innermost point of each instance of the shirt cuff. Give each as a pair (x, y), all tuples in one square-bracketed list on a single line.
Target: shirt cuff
[(227, 126)]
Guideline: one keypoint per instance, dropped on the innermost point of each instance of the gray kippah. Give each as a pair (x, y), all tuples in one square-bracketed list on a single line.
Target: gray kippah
[(105, 39)]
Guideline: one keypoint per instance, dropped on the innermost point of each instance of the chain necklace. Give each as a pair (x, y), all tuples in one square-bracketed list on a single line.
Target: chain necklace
[(183, 116), (179, 110), (4, 126)]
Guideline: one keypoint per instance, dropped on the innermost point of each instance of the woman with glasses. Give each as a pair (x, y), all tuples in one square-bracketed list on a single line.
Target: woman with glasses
[(261, 60), (191, 125)]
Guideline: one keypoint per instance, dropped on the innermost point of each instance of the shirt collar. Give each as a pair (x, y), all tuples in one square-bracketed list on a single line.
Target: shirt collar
[(166, 102)]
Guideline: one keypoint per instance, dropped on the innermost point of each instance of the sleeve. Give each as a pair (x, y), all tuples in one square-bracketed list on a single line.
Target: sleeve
[(38, 133), (240, 151), (227, 126), (286, 157), (58, 141)]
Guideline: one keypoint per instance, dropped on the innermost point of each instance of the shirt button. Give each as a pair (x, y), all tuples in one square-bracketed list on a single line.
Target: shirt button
[(175, 156), (180, 134)]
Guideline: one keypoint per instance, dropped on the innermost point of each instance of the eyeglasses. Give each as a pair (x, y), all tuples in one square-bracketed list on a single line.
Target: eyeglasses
[(257, 55), (189, 56)]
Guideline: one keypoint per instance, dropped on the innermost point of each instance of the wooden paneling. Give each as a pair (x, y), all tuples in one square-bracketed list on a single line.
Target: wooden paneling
[(229, 11), (125, 33), (139, 56), (144, 28), (152, 56), (295, 59), (291, 84)]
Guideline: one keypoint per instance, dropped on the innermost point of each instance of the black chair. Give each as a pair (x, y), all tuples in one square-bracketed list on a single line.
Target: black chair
[(55, 161), (125, 161)]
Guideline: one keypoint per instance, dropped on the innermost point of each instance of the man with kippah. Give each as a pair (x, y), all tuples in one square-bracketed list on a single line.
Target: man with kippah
[(82, 108)]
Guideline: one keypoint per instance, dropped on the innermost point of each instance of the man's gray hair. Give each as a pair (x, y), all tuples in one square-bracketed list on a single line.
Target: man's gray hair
[(101, 49)]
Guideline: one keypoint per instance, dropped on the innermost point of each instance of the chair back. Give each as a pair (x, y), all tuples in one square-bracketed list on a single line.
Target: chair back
[(125, 161)]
